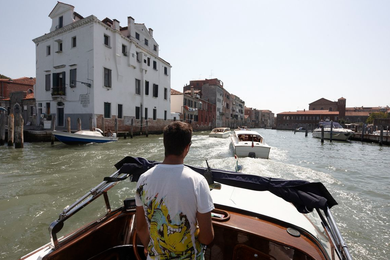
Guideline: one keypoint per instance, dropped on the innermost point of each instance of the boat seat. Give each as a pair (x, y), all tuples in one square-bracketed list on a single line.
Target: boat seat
[(244, 252)]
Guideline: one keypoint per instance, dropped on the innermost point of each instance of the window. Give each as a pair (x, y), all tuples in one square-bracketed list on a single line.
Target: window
[(73, 78), (165, 115), (60, 22), (107, 78), (47, 82), (166, 71), (137, 86), (120, 111), (59, 83), (155, 47), (107, 40), (137, 113), (155, 65), (154, 114), (107, 110), (32, 111), (146, 87), (59, 46), (146, 113), (155, 90), (148, 61), (74, 42), (137, 36), (124, 50), (138, 56), (165, 93), (146, 42), (48, 51)]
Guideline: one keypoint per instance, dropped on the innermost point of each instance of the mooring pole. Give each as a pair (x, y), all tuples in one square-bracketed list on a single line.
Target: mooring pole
[(331, 131), (322, 134), (11, 122)]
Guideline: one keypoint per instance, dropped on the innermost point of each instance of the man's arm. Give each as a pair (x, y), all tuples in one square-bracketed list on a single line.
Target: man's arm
[(206, 230), (141, 226)]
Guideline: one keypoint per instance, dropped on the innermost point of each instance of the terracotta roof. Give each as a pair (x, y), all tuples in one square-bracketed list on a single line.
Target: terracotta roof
[(311, 112), (359, 113), (23, 80), (175, 92), (29, 96)]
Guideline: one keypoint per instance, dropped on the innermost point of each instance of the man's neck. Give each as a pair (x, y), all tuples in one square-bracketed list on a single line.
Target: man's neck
[(173, 159)]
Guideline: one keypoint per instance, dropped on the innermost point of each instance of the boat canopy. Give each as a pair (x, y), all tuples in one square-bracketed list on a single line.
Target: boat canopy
[(305, 196)]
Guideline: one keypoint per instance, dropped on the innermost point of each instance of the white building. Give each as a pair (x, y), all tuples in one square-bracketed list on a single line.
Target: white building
[(99, 71)]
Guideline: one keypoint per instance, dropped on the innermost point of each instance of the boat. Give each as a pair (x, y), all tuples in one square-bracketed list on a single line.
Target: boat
[(84, 137), (385, 132), (254, 218), (220, 132), (300, 129), (337, 132), (248, 143)]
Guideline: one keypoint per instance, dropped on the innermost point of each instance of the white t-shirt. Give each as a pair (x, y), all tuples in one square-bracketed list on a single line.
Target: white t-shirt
[(171, 195)]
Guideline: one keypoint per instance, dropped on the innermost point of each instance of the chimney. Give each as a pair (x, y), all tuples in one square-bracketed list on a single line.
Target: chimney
[(130, 25), (116, 25), (151, 32)]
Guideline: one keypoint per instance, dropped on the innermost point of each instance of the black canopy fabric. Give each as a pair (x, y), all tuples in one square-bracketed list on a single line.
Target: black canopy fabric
[(304, 195)]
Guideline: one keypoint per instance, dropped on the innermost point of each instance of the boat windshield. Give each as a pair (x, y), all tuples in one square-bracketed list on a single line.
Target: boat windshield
[(326, 124)]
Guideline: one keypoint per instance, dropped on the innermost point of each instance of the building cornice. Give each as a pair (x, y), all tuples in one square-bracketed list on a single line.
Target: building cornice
[(66, 28), (89, 20)]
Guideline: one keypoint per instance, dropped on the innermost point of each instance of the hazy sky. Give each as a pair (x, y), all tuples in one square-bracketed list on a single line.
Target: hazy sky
[(276, 55)]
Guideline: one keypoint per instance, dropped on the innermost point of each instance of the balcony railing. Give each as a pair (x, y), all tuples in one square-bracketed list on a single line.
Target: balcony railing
[(58, 91)]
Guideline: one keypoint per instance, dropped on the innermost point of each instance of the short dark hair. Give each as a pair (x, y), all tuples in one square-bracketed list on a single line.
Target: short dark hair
[(177, 135)]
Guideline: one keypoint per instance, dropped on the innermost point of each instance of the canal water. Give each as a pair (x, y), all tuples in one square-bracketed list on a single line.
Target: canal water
[(38, 181)]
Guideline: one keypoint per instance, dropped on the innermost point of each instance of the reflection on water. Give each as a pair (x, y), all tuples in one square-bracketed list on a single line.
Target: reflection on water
[(38, 181)]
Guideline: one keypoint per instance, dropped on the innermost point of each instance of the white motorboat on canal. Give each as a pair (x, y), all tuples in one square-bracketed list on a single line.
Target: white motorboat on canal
[(248, 143), (84, 137), (254, 218), (220, 132), (337, 132)]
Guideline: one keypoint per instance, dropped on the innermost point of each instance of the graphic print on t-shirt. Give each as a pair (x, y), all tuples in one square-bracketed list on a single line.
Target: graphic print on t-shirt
[(170, 235)]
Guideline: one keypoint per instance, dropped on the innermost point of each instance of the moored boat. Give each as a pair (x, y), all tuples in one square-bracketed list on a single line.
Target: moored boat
[(335, 131), (248, 143), (255, 218), (84, 137), (220, 132)]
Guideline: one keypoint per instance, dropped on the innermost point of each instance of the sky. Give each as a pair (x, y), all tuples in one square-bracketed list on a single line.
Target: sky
[(279, 55)]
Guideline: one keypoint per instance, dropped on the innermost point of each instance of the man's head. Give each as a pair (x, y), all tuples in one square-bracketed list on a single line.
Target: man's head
[(177, 136)]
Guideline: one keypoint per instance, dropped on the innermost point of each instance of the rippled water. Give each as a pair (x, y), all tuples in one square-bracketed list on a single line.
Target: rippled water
[(38, 181)]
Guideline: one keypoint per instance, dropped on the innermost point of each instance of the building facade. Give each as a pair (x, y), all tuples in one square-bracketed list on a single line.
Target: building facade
[(101, 72)]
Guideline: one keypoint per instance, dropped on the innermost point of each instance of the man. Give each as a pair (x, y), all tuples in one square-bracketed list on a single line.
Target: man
[(174, 205)]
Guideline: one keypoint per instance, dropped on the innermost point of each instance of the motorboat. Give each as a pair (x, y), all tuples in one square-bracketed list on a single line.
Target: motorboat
[(84, 137), (248, 143), (385, 132), (300, 129), (254, 218), (334, 132), (220, 132)]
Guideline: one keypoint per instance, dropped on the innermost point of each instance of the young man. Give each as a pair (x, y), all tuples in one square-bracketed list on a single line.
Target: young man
[(174, 205)]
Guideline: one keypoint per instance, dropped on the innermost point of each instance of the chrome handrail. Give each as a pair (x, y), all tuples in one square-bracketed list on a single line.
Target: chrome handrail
[(329, 223), (69, 211)]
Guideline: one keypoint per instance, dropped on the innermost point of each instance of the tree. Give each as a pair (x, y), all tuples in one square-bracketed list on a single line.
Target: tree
[(3, 77), (376, 115)]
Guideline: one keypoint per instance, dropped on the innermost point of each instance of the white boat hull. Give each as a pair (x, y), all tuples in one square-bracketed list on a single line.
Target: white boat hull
[(220, 132), (337, 134), (249, 148), (83, 137)]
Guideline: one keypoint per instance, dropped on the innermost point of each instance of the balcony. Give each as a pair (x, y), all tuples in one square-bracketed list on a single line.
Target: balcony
[(58, 92)]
